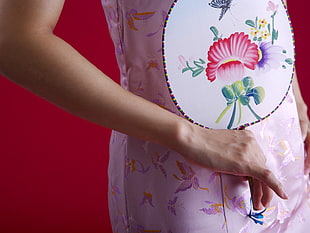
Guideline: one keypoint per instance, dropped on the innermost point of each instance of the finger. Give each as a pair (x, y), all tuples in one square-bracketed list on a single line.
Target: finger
[(307, 139), (267, 177), (307, 154), (307, 165), (267, 195), (257, 195)]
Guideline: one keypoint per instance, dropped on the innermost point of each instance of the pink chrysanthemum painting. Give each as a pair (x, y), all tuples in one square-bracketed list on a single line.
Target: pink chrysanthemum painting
[(229, 57)]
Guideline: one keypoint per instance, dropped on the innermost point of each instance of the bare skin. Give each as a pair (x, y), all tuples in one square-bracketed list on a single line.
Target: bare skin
[(52, 69), (304, 123)]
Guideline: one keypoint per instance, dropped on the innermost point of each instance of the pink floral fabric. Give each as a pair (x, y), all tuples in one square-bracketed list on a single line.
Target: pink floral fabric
[(153, 189)]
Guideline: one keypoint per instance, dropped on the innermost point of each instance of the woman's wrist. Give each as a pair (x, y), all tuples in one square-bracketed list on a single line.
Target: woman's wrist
[(191, 141)]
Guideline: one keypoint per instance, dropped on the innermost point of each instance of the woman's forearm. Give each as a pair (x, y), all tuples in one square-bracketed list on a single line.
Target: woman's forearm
[(52, 69), (33, 57)]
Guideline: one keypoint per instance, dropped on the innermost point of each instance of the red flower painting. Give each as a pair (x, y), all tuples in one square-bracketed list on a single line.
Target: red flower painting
[(229, 57)]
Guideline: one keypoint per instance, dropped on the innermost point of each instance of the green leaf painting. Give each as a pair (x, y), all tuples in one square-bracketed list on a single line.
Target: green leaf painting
[(239, 94)]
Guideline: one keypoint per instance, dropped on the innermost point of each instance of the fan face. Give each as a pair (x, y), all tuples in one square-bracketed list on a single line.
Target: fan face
[(227, 67)]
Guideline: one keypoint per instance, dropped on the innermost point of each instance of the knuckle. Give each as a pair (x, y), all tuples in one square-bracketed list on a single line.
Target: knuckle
[(236, 168), (267, 174), (249, 135), (243, 159)]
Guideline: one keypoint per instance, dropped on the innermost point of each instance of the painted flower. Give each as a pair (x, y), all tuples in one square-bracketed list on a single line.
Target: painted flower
[(229, 57), (254, 32), (262, 23), (271, 6), (270, 56), (264, 34), (182, 61)]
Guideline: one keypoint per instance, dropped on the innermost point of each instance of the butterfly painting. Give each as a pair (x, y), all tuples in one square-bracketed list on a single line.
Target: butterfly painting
[(224, 5)]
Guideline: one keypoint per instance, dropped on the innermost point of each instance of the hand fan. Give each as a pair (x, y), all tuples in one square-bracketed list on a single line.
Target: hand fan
[(228, 63)]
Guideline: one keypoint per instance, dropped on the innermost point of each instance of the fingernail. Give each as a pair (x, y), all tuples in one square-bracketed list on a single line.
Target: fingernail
[(266, 204), (259, 207), (284, 194)]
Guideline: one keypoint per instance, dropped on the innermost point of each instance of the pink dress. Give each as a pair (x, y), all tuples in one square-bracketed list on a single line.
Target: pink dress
[(153, 189)]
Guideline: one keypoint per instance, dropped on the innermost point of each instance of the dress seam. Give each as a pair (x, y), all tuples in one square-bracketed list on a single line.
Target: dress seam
[(223, 202)]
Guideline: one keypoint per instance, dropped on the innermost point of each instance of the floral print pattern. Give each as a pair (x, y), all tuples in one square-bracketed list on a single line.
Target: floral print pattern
[(133, 15), (153, 189), (188, 178)]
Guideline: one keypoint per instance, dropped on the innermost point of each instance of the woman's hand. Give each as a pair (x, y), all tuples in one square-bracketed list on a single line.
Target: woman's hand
[(233, 152)]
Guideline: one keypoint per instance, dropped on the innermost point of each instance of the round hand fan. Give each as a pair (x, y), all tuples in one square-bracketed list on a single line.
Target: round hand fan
[(228, 63)]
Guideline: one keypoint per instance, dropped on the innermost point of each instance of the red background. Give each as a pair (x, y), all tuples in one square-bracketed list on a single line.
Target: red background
[(53, 166)]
